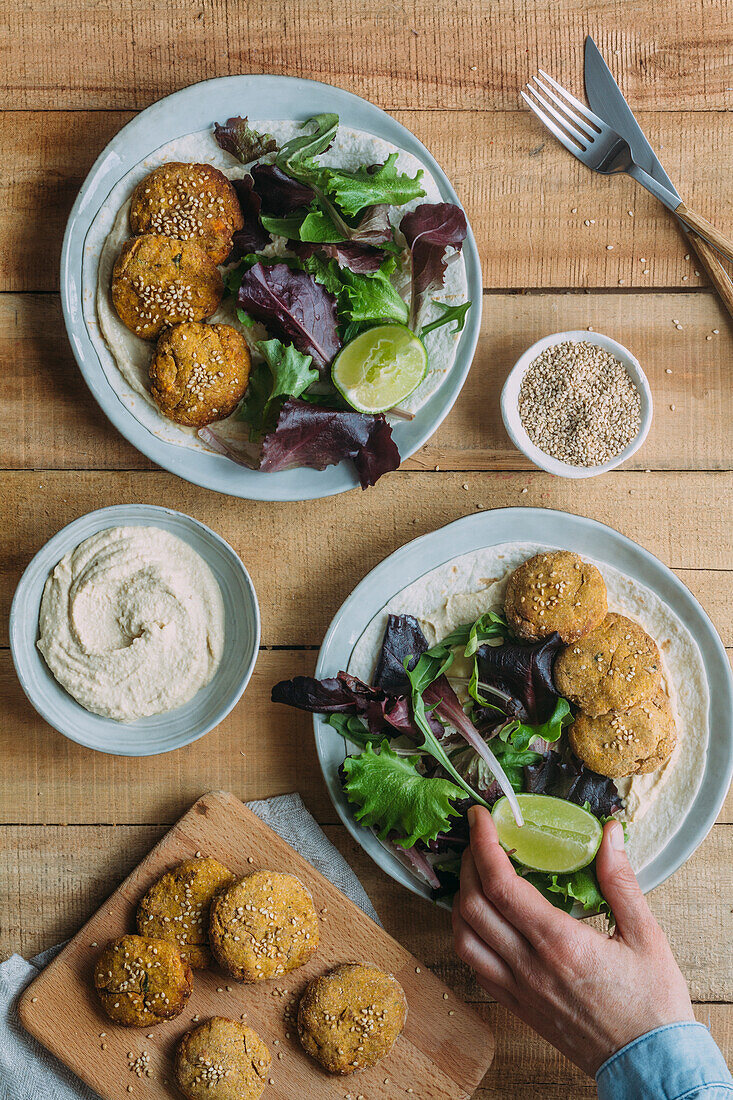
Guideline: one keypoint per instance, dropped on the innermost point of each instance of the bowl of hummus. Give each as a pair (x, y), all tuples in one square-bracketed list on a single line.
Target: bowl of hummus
[(134, 630)]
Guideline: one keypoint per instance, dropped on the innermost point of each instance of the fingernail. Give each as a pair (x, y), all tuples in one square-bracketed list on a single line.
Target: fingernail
[(471, 815), (617, 837)]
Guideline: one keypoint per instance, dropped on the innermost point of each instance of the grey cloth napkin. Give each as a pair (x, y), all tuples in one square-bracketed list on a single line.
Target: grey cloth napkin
[(28, 1072)]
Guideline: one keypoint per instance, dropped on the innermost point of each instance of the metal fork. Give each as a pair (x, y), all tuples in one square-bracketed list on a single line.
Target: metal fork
[(600, 148)]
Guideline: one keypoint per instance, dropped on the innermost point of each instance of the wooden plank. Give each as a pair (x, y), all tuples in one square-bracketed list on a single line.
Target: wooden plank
[(413, 53), (259, 750), (519, 187), (303, 584), (444, 1049), (53, 422), (54, 877)]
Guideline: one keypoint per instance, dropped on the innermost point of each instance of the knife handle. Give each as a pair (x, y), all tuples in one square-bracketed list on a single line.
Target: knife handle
[(705, 229), (717, 274)]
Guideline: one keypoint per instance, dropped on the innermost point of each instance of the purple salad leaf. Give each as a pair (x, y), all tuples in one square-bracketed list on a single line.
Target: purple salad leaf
[(308, 435), (403, 638), (524, 674), (598, 791), (345, 694), (429, 230), (362, 259), (236, 137), (279, 193), (295, 308), (252, 236)]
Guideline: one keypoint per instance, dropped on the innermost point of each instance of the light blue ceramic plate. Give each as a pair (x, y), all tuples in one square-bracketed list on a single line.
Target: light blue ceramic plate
[(584, 536), (186, 112), (162, 732)]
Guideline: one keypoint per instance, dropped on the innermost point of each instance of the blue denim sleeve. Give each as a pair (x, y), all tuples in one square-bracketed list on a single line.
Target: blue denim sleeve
[(676, 1062)]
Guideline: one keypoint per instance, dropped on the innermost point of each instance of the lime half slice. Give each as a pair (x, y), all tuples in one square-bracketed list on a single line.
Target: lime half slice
[(380, 368), (557, 836)]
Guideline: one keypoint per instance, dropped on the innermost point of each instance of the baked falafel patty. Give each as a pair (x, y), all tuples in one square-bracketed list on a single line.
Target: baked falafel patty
[(555, 591), (190, 202), (614, 667), (142, 981), (222, 1060), (176, 907), (630, 742), (264, 925), (351, 1017), (199, 373), (159, 281)]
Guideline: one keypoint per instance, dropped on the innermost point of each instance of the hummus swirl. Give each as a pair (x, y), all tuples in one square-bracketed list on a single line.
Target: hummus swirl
[(132, 623)]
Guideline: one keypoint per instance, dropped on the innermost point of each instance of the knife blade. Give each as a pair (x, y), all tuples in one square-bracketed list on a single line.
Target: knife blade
[(607, 100)]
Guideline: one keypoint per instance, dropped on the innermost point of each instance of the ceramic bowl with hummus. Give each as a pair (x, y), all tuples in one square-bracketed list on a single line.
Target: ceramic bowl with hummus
[(134, 630)]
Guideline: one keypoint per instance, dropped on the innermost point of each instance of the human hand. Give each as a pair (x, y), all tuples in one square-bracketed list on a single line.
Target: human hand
[(587, 993)]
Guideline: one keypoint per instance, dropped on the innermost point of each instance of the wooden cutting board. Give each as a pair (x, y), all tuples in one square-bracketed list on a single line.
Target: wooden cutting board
[(442, 1054)]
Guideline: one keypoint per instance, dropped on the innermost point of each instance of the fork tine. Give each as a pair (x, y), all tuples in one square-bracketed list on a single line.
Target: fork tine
[(561, 136), (575, 102), (579, 137), (579, 121)]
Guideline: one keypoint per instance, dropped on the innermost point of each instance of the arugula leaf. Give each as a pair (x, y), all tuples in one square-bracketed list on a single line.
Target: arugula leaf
[(236, 137), (286, 372), (450, 313), (353, 729), (308, 145), (369, 186), (521, 734), (393, 797)]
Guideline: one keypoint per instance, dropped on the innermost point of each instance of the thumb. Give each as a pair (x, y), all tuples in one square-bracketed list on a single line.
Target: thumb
[(620, 887)]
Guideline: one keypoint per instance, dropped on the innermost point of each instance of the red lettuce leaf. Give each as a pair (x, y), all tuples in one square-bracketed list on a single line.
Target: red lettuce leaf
[(308, 435), (252, 236), (279, 192), (429, 230), (236, 137), (598, 791), (362, 259), (403, 638), (344, 694), (295, 308), (524, 673)]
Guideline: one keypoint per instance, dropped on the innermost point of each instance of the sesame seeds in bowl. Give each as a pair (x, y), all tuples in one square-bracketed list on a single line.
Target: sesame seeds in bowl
[(577, 404)]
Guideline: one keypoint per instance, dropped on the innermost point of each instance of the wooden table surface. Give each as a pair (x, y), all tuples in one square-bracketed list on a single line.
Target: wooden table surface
[(74, 822)]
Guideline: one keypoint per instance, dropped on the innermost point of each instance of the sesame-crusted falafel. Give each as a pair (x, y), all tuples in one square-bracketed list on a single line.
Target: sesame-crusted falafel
[(142, 981), (199, 373), (555, 591), (176, 907), (631, 742), (190, 202), (159, 281), (612, 668), (222, 1060), (264, 925), (350, 1018)]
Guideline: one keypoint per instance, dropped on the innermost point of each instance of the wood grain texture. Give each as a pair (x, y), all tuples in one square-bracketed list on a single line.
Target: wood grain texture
[(260, 749), (69, 871), (304, 581), (518, 185), (53, 422), (412, 53), (443, 1051)]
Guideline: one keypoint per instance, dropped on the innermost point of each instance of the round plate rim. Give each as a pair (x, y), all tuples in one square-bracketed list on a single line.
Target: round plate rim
[(212, 471), (399, 569), (54, 549)]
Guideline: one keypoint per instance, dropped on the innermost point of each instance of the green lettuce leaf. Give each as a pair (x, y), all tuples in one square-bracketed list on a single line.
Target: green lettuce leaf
[(307, 145), (353, 729), (566, 889), (286, 372), (520, 734), (364, 187), (360, 298), (393, 797)]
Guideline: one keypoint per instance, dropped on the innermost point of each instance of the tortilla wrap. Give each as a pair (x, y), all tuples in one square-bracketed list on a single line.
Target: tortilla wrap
[(125, 358), (461, 589)]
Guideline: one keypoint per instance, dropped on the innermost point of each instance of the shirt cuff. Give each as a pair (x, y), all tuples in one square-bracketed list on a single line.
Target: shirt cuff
[(676, 1062)]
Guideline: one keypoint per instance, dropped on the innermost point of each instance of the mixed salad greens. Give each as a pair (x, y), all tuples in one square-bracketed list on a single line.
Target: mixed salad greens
[(319, 262), (473, 719)]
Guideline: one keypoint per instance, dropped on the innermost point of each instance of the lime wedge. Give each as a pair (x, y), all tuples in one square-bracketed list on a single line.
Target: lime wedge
[(380, 368), (557, 836)]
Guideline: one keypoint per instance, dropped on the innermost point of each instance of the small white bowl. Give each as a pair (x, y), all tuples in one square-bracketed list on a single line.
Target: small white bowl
[(160, 732), (510, 404)]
